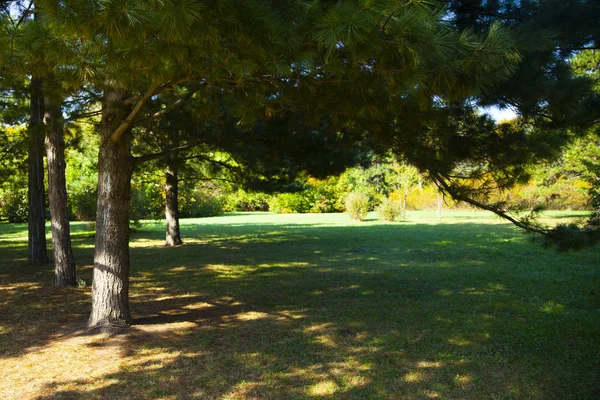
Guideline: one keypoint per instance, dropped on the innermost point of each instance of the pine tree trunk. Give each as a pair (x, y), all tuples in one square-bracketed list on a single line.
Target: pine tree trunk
[(37, 253), (110, 287), (172, 208), (64, 269)]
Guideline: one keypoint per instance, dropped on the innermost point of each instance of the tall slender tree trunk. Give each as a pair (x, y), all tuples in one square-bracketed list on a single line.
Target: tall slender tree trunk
[(110, 287), (173, 236), (36, 220), (64, 261)]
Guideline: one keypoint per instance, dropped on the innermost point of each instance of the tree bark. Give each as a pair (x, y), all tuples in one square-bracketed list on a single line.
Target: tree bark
[(36, 219), (64, 261), (110, 287), (173, 236)]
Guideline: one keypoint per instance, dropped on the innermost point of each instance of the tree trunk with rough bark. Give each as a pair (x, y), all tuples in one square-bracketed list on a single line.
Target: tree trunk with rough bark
[(64, 261), (173, 236), (110, 287), (36, 219)]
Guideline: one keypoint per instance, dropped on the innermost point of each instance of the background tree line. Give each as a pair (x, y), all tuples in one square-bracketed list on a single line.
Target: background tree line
[(567, 183)]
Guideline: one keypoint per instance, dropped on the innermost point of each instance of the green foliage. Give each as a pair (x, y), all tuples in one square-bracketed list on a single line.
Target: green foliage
[(200, 202), (147, 201), (83, 202), (81, 157), (357, 205), (286, 203), (13, 204), (241, 200), (325, 195), (389, 209), (13, 173)]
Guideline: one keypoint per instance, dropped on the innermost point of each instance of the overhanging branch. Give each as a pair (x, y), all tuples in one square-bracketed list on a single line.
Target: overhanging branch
[(163, 112), (445, 186), (125, 125), (154, 156)]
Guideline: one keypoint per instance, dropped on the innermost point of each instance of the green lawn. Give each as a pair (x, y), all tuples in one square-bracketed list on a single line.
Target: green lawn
[(313, 306)]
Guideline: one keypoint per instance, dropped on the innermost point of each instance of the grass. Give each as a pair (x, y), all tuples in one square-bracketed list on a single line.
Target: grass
[(312, 306)]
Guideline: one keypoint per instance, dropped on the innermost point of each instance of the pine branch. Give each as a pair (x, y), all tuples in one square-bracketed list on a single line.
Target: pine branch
[(7, 11), (158, 90), (25, 14), (172, 150), (163, 112), (204, 178), (89, 114), (389, 18), (136, 110), (442, 183)]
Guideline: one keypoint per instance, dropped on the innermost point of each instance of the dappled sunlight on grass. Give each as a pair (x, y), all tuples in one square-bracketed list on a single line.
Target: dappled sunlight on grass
[(323, 388), (459, 341), (552, 307), (313, 306), (414, 377)]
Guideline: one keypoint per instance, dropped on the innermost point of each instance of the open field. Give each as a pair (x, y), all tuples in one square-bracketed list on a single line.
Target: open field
[(312, 306)]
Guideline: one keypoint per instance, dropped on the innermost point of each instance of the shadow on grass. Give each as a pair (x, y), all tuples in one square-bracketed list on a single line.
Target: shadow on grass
[(291, 311), (13, 229)]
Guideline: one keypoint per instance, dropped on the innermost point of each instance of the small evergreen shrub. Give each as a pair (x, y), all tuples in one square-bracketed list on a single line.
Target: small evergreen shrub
[(389, 210), (357, 205)]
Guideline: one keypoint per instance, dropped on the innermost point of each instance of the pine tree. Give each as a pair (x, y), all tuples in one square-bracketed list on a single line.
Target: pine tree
[(20, 33), (30, 54), (148, 47)]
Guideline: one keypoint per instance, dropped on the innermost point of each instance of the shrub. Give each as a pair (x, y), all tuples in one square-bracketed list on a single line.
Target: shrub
[(147, 201), (357, 205), (83, 204), (286, 203), (241, 200), (324, 195), (13, 206), (202, 203), (390, 209)]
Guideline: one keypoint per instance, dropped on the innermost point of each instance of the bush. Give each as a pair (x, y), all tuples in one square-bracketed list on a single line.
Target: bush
[(357, 205), (147, 201), (426, 199), (244, 201), (389, 210), (286, 203), (13, 206), (202, 203), (83, 204), (325, 195)]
